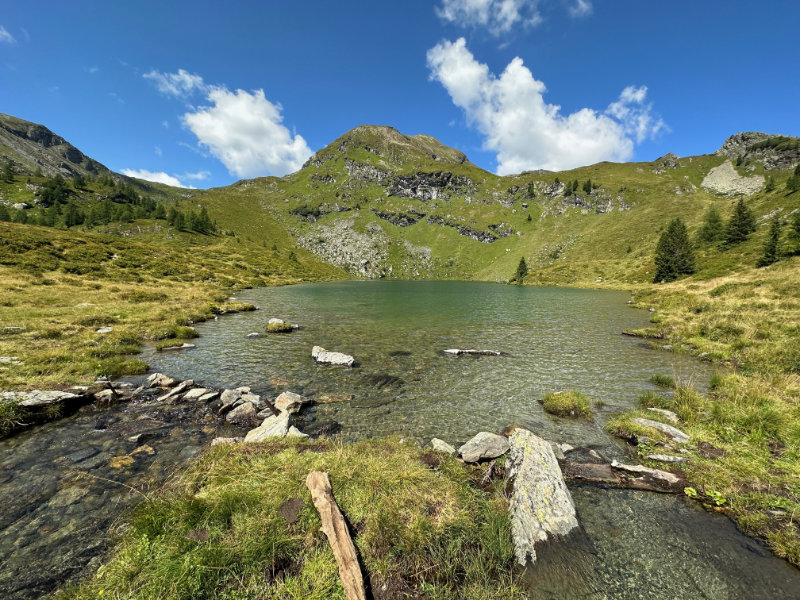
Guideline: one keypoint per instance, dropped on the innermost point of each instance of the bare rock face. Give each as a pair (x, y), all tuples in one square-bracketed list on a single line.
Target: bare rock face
[(773, 151), (724, 180), (541, 506)]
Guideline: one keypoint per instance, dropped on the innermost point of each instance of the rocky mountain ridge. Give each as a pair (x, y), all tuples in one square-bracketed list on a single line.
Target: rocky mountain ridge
[(771, 150), (31, 147)]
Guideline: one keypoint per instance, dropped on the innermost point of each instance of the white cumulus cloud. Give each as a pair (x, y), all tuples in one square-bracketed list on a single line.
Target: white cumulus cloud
[(156, 176), (5, 36), (177, 84), (498, 16), (526, 132), (245, 131), (242, 129)]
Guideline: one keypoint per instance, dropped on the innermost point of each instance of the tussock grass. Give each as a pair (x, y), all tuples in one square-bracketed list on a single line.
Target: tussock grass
[(279, 328), (567, 404), (419, 524)]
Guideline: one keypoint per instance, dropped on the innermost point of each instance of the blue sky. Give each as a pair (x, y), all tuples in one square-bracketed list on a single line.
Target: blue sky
[(206, 93)]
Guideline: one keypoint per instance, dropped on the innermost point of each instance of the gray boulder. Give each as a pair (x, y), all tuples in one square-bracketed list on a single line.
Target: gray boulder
[(244, 415), (290, 401), (39, 398), (668, 414), (321, 355), (160, 380), (442, 446), (272, 427), (541, 506), (484, 446)]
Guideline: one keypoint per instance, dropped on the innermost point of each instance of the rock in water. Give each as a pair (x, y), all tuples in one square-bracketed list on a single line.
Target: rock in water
[(273, 427), (244, 415), (290, 401), (321, 355), (484, 446), (541, 505)]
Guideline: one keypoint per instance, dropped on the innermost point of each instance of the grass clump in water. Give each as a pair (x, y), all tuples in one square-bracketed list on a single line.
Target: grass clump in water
[(282, 327), (567, 404), (241, 524), (663, 381)]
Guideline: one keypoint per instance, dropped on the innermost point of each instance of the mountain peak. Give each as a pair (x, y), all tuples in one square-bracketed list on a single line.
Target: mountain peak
[(389, 144)]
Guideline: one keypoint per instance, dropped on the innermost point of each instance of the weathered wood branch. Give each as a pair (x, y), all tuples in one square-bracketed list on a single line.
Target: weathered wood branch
[(334, 526)]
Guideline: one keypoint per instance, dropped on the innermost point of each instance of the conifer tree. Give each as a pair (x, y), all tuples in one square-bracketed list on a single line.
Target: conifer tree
[(159, 212), (4, 216), (713, 229), (522, 271), (674, 253), (741, 225), (793, 183), (587, 187), (770, 184), (8, 172), (771, 252), (180, 221)]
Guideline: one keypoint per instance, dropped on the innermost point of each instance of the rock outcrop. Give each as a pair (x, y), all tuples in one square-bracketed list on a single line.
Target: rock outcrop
[(724, 180), (541, 506), (773, 151)]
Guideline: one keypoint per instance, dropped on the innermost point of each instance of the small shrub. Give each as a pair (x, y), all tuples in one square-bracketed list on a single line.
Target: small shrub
[(567, 404)]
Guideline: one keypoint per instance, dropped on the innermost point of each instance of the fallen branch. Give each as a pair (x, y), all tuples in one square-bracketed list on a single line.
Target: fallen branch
[(334, 526)]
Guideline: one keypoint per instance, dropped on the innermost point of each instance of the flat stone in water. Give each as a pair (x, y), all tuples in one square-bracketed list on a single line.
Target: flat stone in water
[(82, 454)]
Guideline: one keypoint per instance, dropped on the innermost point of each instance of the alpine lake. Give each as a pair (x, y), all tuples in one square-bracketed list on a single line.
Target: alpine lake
[(61, 496)]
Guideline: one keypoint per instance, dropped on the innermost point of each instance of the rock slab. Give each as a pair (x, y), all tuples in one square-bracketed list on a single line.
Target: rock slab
[(673, 433), (541, 506), (273, 427), (484, 446), (442, 446), (319, 354)]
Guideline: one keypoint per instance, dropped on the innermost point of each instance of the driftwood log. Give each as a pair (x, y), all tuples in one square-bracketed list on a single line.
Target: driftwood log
[(334, 526)]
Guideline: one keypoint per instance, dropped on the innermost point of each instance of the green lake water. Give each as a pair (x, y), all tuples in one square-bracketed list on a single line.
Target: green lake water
[(551, 338)]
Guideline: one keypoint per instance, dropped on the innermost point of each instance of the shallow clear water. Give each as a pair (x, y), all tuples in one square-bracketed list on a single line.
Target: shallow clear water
[(62, 496), (552, 338)]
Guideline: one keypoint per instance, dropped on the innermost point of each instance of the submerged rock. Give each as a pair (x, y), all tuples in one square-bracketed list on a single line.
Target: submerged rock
[(460, 351), (484, 446), (321, 355), (541, 506), (672, 432)]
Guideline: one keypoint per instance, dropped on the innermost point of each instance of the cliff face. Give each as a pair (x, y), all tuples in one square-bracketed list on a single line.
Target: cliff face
[(31, 147), (774, 151)]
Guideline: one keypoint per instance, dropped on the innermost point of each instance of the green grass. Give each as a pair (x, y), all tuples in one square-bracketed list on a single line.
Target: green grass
[(279, 328), (420, 523), (567, 404)]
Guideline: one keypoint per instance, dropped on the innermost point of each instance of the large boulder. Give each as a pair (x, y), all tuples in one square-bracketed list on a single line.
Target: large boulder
[(484, 446), (541, 506), (321, 355), (442, 446)]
